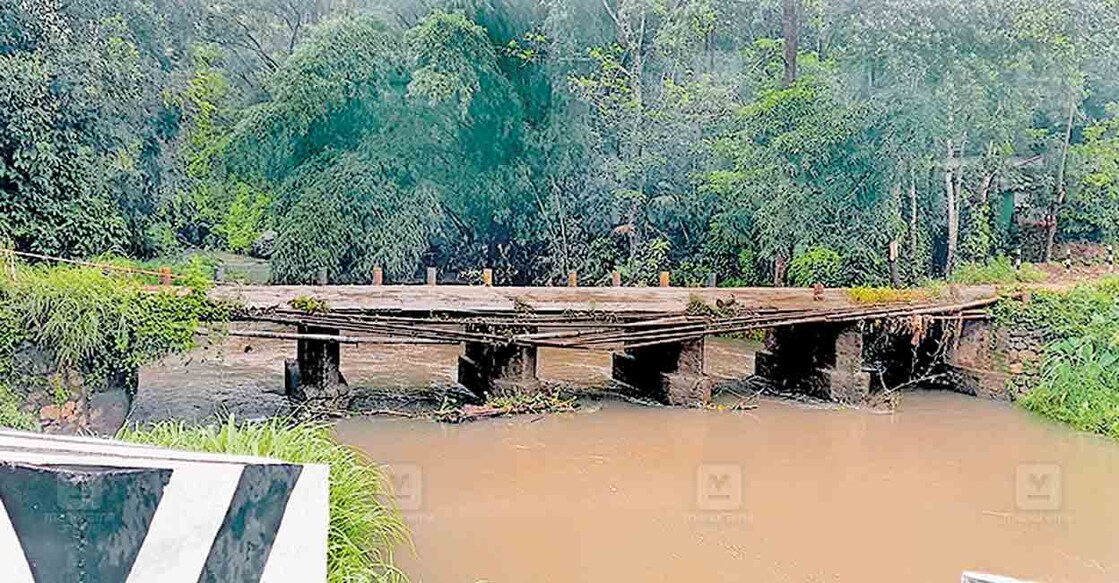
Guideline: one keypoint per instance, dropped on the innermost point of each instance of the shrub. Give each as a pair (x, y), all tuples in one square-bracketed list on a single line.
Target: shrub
[(363, 529), (97, 323), (815, 265)]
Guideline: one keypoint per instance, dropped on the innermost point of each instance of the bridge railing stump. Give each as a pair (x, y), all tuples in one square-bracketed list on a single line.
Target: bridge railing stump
[(496, 369), (315, 374), (673, 373)]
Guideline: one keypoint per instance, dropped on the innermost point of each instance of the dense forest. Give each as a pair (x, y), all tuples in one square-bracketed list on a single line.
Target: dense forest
[(769, 141)]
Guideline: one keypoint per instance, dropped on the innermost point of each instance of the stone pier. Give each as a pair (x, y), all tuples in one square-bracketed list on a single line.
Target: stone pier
[(316, 375), (668, 373), (820, 360), (497, 369)]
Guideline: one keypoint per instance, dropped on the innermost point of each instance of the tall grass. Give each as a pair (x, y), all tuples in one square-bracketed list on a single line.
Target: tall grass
[(364, 528)]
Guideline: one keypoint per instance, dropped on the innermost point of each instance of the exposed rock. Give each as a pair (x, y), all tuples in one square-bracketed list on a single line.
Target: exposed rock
[(264, 245)]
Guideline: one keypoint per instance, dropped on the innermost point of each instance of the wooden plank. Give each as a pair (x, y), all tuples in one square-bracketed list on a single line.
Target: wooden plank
[(619, 300)]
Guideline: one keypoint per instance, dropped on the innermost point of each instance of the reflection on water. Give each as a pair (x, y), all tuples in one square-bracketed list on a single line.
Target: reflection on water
[(781, 493)]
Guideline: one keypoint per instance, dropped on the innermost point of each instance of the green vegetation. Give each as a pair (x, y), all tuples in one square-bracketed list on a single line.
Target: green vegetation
[(997, 270), (1079, 368), (364, 528), (309, 305), (878, 295), (538, 138), (92, 323)]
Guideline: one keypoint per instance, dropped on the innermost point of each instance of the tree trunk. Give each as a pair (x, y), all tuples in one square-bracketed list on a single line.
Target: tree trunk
[(1055, 208), (912, 222), (789, 33), (950, 195)]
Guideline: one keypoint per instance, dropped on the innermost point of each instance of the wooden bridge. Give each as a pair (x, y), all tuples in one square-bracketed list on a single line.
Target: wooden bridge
[(815, 342)]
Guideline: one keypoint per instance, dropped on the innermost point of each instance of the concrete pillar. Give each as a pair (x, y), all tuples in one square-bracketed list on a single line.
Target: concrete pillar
[(615, 278), (497, 369), (319, 376), (819, 360), (572, 279), (669, 373), (378, 276), (432, 276), (847, 381)]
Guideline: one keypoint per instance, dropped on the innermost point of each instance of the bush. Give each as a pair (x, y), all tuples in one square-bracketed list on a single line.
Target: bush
[(816, 265), (363, 530), (97, 323), (1079, 381)]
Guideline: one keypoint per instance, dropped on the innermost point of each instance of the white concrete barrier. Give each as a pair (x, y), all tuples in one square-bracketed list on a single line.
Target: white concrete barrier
[(102, 511)]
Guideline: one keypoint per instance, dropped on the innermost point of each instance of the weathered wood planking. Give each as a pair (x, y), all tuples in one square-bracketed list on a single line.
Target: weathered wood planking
[(621, 300)]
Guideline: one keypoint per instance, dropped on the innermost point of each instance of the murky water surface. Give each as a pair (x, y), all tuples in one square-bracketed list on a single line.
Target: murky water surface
[(781, 493)]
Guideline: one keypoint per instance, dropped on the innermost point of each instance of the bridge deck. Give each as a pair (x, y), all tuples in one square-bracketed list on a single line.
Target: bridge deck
[(618, 300)]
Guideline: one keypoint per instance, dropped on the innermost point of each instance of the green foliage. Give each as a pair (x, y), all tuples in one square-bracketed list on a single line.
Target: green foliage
[(10, 415), (309, 305), (997, 270), (815, 265), (880, 295), (99, 324), (1079, 381), (1079, 384), (363, 528)]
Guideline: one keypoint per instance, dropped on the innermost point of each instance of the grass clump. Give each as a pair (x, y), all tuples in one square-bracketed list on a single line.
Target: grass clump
[(309, 305), (883, 295), (999, 270), (363, 528), (97, 323)]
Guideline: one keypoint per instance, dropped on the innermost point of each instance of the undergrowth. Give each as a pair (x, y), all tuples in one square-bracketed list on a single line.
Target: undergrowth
[(880, 295), (94, 323), (364, 528), (998, 270), (1079, 368)]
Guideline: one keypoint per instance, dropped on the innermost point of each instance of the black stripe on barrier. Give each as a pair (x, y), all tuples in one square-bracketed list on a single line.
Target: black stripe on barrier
[(81, 523), (244, 541)]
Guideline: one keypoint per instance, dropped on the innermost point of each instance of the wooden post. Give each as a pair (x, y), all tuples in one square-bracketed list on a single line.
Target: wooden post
[(711, 279), (664, 280), (320, 276), (572, 279), (164, 275), (432, 276), (487, 277), (615, 278), (895, 277), (378, 276)]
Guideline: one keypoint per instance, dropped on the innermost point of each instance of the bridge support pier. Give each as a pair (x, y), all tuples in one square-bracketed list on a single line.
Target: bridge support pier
[(317, 376), (820, 360), (668, 373), (497, 369)]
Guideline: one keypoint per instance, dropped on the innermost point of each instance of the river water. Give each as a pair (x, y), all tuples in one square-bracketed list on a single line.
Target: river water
[(784, 492)]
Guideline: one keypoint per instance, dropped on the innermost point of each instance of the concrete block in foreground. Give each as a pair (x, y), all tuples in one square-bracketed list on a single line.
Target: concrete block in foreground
[(101, 511)]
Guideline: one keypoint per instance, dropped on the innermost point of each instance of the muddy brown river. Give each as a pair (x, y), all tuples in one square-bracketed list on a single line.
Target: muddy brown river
[(785, 492)]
